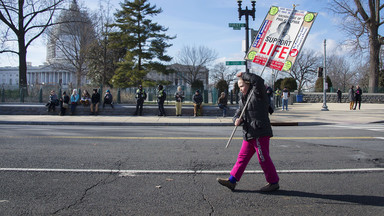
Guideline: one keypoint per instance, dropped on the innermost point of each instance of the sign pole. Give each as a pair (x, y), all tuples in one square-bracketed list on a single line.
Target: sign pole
[(251, 93)]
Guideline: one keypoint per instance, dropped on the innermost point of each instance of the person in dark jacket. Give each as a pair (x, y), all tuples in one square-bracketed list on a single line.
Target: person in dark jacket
[(197, 104), (64, 103), (222, 103), (161, 96), (358, 94), (140, 96), (108, 99), (95, 101), (53, 101), (339, 95), (257, 132)]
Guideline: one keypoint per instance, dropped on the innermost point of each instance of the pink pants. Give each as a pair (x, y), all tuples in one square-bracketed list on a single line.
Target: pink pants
[(248, 149)]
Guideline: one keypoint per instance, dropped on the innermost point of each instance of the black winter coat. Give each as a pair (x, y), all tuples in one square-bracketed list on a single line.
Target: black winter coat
[(95, 98), (197, 99), (256, 121)]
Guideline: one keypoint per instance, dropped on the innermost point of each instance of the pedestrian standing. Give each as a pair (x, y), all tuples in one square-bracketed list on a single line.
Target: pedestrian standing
[(339, 94), (161, 96), (358, 94), (285, 98), (278, 97), (222, 103), (179, 97), (351, 97), (257, 132), (140, 96), (269, 94)]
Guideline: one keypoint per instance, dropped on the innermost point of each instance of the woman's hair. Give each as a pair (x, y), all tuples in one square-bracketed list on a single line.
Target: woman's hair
[(245, 81)]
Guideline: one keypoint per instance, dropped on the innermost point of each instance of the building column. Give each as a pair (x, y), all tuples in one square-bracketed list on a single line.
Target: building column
[(46, 78)]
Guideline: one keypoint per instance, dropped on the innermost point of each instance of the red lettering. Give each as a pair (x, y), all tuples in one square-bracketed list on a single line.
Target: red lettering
[(270, 48), (283, 52), (262, 51), (276, 49), (294, 52), (262, 48)]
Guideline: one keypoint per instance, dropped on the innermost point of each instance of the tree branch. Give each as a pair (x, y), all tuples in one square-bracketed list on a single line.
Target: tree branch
[(9, 51), (361, 11), (10, 24)]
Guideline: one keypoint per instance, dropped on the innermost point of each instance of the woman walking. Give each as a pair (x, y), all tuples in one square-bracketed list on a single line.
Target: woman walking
[(257, 132)]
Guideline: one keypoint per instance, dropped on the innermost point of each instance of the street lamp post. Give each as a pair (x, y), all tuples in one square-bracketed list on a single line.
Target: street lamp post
[(325, 107), (247, 13)]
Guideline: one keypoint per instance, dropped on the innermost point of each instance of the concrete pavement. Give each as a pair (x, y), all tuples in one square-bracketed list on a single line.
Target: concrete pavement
[(299, 114)]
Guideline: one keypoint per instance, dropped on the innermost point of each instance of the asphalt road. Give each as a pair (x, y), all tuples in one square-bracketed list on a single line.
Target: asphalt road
[(95, 170)]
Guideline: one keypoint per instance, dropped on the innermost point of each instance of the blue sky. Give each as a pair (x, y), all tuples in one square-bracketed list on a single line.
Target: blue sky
[(205, 22)]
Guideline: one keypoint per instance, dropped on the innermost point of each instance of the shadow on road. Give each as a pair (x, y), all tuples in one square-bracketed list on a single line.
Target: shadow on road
[(358, 199)]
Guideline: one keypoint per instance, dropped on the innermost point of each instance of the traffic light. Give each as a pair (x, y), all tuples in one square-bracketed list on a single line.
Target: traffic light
[(320, 72)]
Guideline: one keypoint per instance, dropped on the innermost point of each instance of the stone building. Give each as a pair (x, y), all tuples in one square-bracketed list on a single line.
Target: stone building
[(52, 72)]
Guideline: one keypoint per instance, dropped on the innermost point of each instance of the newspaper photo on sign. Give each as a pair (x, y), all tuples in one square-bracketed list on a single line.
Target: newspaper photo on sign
[(280, 38)]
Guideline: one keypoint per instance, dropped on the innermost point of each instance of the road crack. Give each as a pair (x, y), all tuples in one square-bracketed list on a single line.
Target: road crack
[(112, 177), (203, 195)]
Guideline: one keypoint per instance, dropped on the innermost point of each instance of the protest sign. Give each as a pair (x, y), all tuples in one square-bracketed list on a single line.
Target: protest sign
[(280, 38)]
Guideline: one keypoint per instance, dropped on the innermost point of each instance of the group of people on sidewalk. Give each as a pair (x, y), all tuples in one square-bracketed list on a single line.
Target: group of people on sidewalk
[(282, 97), (66, 102), (354, 97), (161, 94)]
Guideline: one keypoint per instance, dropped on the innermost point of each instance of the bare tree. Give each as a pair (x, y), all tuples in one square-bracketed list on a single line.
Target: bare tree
[(102, 57), (25, 21), (361, 22), (193, 61), (222, 72), (72, 40), (304, 69), (340, 72)]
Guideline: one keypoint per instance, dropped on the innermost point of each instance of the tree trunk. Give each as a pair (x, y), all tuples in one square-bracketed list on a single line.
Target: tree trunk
[(22, 49), (78, 78), (22, 64), (374, 61)]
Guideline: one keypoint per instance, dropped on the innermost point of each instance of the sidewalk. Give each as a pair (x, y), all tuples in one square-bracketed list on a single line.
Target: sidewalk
[(299, 114)]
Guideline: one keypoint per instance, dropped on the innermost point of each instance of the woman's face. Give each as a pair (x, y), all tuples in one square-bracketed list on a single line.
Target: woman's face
[(244, 87)]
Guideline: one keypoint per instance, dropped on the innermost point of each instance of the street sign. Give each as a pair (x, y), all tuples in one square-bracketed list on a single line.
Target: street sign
[(236, 26), (235, 63)]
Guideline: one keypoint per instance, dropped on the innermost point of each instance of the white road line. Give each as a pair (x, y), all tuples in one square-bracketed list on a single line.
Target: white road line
[(137, 172), (379, 138)]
